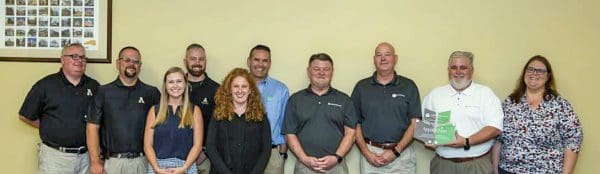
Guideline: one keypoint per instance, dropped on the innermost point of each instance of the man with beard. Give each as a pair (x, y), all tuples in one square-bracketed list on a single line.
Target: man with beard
[(388, 105), (57, 105), (319, 122), (202, 93), (274, 96), (117, 119), (475, 111)]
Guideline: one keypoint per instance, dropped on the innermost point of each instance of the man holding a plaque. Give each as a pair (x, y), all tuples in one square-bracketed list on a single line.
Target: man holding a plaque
[(476, 113), (388, 106)]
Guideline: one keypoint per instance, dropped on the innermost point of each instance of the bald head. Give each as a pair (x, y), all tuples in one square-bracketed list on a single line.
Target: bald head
[(385, 58)]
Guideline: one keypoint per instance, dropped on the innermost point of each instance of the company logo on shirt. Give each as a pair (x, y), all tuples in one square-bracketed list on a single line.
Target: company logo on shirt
[(141, 100), (333, 104), (204, 102), (397, 95), (89, 92)]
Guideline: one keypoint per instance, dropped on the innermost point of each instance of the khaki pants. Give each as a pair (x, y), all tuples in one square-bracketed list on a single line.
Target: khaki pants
[(137, 165), (405, 164), (52, 161), (204, 167), (276, 163), (300, 168), (482, 165)]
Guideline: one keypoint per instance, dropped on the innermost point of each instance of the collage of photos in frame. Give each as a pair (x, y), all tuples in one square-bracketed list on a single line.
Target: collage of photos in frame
[(48, 23)]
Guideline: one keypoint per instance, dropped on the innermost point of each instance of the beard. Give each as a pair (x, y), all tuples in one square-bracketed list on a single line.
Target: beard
[(460, 85), (129, 74), (192, 72)]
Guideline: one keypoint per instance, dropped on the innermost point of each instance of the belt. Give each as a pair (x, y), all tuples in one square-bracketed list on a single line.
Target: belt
[(381, 145), (128, 155), (77, 150), (273, 146), (462, 160)]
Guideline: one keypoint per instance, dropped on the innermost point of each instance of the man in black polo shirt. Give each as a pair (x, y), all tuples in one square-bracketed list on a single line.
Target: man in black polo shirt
[(202, 93), (319, 122), (57, 105), (388, 105), (118, 117)]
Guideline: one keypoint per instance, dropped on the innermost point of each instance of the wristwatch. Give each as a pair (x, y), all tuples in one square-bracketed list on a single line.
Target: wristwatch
[(339, 158), (396, 153), (467, 144), (283, 155)]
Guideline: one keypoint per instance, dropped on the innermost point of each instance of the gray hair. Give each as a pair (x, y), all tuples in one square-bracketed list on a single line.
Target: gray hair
[(71, 45), (462, 54)]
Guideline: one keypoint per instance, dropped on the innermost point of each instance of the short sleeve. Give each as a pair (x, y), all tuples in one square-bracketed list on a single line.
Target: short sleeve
[(95, 109), (290, 121), (33, 103), (350, 115)]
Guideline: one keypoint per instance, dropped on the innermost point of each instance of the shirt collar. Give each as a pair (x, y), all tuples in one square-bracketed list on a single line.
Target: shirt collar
[(468, 91), (64, 79), (394, 81), (265, 81), (120, 83), (329, 91)]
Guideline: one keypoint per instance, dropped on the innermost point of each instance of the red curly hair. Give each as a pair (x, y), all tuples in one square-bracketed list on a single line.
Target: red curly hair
[(255, 110)]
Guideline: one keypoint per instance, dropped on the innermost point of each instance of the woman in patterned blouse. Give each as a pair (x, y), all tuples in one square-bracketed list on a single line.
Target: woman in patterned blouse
[(542, 133)]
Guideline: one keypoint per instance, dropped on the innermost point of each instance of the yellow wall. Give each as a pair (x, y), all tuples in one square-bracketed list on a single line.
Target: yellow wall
[(502, 34)]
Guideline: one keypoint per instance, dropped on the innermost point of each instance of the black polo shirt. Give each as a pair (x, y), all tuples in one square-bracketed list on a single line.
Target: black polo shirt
[(61, 108), (121, 113), (385, 110), (319, 121), (202, 94)]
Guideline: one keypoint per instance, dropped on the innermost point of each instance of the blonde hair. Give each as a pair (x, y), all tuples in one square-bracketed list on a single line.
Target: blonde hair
[(185, 113), (223, 98)]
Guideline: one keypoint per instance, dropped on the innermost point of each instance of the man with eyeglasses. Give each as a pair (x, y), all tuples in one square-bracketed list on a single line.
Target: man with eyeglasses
[(202, 93), (57, 105), (115, 128), (475, 112)]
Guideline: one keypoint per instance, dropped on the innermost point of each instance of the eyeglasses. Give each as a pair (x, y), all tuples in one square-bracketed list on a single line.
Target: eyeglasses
[(76, 57), (129, 60), (532, 70)]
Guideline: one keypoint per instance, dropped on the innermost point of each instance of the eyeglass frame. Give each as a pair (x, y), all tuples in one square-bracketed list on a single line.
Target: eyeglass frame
[(536, 71), (130, 60), (76, 57)]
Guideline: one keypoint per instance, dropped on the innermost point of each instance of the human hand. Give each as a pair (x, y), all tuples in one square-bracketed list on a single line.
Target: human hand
[(458, 142), (310, 162), (327, 162), (178, 170), (372, 158), (97, 167)]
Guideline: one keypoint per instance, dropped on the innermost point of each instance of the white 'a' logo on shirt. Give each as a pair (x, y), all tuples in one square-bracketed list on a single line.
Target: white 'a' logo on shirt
[(89, 92), (205, 101), (141, 100)]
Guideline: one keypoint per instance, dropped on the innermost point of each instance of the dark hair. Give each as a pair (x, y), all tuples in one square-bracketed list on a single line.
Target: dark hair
[(550, 86), (260, 47), (193, 46), (129, 47), (321, 57)]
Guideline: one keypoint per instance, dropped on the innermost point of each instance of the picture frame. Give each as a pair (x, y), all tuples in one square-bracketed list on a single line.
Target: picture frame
[(36, 30)]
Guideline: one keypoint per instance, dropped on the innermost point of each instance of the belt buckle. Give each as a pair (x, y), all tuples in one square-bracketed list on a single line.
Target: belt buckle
[(71, 150)]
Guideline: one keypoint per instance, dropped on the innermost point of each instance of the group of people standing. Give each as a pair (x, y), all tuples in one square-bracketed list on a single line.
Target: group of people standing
[(246, 124)]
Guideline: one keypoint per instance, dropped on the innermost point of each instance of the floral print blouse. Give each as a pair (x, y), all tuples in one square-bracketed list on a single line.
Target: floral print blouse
[(533, 141)]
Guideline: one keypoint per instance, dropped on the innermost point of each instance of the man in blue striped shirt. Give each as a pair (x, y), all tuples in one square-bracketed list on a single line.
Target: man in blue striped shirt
[(274, 95)]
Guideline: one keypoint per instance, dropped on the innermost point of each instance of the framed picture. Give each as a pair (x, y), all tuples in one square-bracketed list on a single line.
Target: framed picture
[(36, 30)]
